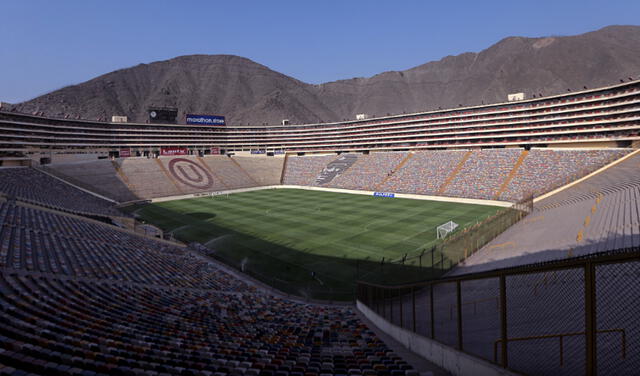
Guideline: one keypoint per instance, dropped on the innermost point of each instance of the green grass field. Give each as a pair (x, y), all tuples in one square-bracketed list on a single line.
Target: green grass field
[(283, 235)]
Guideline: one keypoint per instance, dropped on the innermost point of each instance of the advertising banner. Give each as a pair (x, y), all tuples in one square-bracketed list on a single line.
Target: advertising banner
[(173, 151), (384, 194), (215, 151), (212, 120), (125, 153)]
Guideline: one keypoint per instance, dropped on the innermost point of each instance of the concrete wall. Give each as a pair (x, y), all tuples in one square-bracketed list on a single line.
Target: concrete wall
[(585, 145), (67, 157), (454, 361), (17, 162)]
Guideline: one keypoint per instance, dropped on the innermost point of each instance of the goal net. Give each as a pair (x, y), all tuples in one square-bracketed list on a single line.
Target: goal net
[(446, 229)]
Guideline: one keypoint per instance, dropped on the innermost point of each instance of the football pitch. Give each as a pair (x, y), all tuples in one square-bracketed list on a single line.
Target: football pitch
[(301, 239)]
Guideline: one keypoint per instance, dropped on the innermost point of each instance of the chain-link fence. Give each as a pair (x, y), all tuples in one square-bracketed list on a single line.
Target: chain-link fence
[(571, 317), (617, 317), (433, 262)]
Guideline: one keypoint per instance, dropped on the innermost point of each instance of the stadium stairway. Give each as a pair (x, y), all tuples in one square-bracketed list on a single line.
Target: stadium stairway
[(598, 213), (396, 169), (120, 173), (108, 186), (213, 173), (146, 179), (304, 170), (168, 175), (593, 187), (244, 171), (284, 168), (454, 173), (264, 170), (512, 174), (228, 172)]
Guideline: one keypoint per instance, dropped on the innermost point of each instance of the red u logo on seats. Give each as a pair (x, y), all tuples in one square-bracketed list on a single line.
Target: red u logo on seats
[(190, 173), (199, 177)]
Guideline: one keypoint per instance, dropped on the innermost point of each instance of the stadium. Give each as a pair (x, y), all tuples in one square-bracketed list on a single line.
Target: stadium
[(494, 239)]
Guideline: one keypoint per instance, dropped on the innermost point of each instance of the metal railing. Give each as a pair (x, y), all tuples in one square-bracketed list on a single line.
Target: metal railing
[(590, 307), (561, 336)]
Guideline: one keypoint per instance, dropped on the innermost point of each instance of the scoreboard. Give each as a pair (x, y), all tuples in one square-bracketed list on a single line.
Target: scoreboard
[(166, 115)]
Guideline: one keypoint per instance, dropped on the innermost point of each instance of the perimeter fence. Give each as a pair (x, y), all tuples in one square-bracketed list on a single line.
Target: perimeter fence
[(433, 262), (571, 317)]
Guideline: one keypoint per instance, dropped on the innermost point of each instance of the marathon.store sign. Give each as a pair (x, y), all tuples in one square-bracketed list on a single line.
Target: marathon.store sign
[(173, 151), (205, 120)]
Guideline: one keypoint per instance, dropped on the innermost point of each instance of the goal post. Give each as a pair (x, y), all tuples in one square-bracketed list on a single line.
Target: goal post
[(445, 229)]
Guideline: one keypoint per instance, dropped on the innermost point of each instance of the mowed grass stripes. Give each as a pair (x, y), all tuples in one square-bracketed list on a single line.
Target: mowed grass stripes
[(289, 233)]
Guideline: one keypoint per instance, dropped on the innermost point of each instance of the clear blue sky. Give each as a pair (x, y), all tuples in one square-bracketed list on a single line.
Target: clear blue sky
[(46, 44)]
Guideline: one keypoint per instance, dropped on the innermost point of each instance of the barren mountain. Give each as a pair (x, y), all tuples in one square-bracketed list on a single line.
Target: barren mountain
[(250, 93), (242, 90)]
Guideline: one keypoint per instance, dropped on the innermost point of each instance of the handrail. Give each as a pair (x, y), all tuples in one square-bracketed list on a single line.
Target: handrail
[(623, 339)]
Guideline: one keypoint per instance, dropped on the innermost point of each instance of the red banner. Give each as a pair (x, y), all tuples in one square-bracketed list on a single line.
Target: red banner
[(215, 150), (173, 151), (125, 153)]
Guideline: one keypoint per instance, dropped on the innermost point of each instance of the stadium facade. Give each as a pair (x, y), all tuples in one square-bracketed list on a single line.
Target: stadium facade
[(602, 117)]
